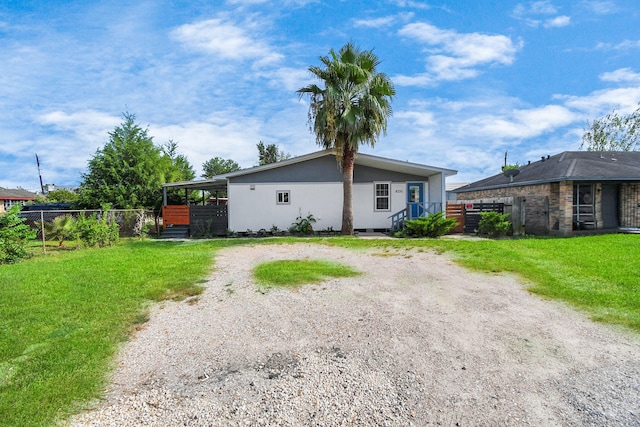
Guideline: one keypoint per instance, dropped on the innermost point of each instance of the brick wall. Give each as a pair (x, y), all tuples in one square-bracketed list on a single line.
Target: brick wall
[(549, 207), (541, 213)]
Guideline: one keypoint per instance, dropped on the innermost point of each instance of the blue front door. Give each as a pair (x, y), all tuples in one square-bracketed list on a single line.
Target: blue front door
[(415, 199)]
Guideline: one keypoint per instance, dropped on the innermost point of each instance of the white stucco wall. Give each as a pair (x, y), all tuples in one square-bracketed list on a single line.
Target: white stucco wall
[(257, 209)]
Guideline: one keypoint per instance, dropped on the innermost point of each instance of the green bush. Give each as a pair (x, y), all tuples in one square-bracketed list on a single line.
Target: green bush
[(433, 226), (61, 228), (303, 225), (494, 224), (14, 236), (97, 230)]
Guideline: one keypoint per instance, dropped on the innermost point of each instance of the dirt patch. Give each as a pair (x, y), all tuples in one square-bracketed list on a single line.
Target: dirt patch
[(415, 340)]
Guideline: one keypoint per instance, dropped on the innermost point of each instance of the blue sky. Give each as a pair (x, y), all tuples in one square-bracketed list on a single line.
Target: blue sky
[(473, 78)]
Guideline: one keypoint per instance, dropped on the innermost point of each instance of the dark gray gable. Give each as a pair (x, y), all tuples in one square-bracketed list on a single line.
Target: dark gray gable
[(322, 169)]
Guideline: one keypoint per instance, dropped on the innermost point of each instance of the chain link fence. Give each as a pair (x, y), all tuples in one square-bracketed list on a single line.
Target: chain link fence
[(131, 222)]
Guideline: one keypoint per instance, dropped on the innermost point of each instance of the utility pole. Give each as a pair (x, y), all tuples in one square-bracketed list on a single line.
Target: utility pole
[(39, 174)]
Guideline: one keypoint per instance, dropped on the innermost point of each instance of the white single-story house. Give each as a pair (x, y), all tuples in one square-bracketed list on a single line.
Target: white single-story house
[(384, 191)]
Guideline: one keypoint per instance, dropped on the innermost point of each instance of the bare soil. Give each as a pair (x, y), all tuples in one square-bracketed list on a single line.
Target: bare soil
[(415, 340)]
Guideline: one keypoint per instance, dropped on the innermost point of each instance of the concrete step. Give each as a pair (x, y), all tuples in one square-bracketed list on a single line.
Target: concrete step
[(175, 232)]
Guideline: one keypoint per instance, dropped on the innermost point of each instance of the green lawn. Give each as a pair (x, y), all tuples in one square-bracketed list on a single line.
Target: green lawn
[(63, 315)]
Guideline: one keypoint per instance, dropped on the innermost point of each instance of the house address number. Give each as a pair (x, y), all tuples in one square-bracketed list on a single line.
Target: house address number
[(399, 191)]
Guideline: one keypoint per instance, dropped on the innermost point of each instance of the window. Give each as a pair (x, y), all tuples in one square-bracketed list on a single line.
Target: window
[(283, 197), (382, 198)]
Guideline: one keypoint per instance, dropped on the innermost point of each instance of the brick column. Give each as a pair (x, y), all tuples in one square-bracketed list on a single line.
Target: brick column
[(566, 208)]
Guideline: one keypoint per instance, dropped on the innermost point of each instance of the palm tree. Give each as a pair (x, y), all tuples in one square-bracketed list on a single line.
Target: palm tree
[(60, 229), (350, 110)]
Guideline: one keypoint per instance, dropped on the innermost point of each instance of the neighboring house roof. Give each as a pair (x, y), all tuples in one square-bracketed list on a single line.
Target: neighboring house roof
[(451, 186), (16, 194), (367, 160), (567, 166)]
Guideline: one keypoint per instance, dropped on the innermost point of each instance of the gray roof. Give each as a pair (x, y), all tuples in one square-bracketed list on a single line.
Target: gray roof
[(16, 194), (568, 166), (369, 160)]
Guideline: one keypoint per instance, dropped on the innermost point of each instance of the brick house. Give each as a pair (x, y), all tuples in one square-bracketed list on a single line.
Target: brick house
[(573, 192), (10, 197)]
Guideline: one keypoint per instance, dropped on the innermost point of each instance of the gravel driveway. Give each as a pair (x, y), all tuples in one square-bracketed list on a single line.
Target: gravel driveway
[(416, 340)]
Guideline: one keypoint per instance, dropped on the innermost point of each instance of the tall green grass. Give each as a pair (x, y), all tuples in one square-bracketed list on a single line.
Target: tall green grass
[(63, 316)]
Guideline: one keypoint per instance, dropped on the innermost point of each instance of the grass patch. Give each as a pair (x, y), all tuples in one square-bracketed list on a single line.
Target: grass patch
[(63, 316), (293, 273)]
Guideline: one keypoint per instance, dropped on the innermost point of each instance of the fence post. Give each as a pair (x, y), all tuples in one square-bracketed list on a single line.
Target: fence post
[(44, 247)]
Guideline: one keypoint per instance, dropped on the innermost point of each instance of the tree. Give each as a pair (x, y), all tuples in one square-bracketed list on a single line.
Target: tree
[(613, 132), (128, 172), (218, 166), (270, 154), (14, 236), (62, 196), (351, 109)]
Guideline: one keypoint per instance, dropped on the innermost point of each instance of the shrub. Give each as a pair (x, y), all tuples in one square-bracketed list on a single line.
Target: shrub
[(494, 224), (303, 225), (61, 228), (97, 230), (434, 226), (14, 236)]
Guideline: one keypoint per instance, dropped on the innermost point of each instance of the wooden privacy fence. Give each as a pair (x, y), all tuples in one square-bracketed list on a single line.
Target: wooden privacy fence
[(456, 210), (472, 214), (175, 215), (208, 220)]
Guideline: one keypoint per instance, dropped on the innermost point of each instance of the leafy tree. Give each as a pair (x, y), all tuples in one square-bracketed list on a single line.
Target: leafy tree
[(270, 154), (128, 172), (62, 196), (613, 132), (218, 166), (350, 110), (14, 236)]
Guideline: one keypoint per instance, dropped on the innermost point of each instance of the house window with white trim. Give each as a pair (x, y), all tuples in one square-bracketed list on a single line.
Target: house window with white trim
[(382, 196), (283, 197)]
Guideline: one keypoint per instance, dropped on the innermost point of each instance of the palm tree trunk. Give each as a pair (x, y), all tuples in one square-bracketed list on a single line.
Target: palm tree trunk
[(348, 160)]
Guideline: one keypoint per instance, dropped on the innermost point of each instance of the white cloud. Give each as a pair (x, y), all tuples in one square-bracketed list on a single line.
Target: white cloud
[(625, 75), (534, 14), (600, 102), (600, 7), (420, 80), (557, 22), (226, 40), (375, 23), (624, 45), (382, 22), (414, 4), (89, 126), (287, 78), (455, 56)]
